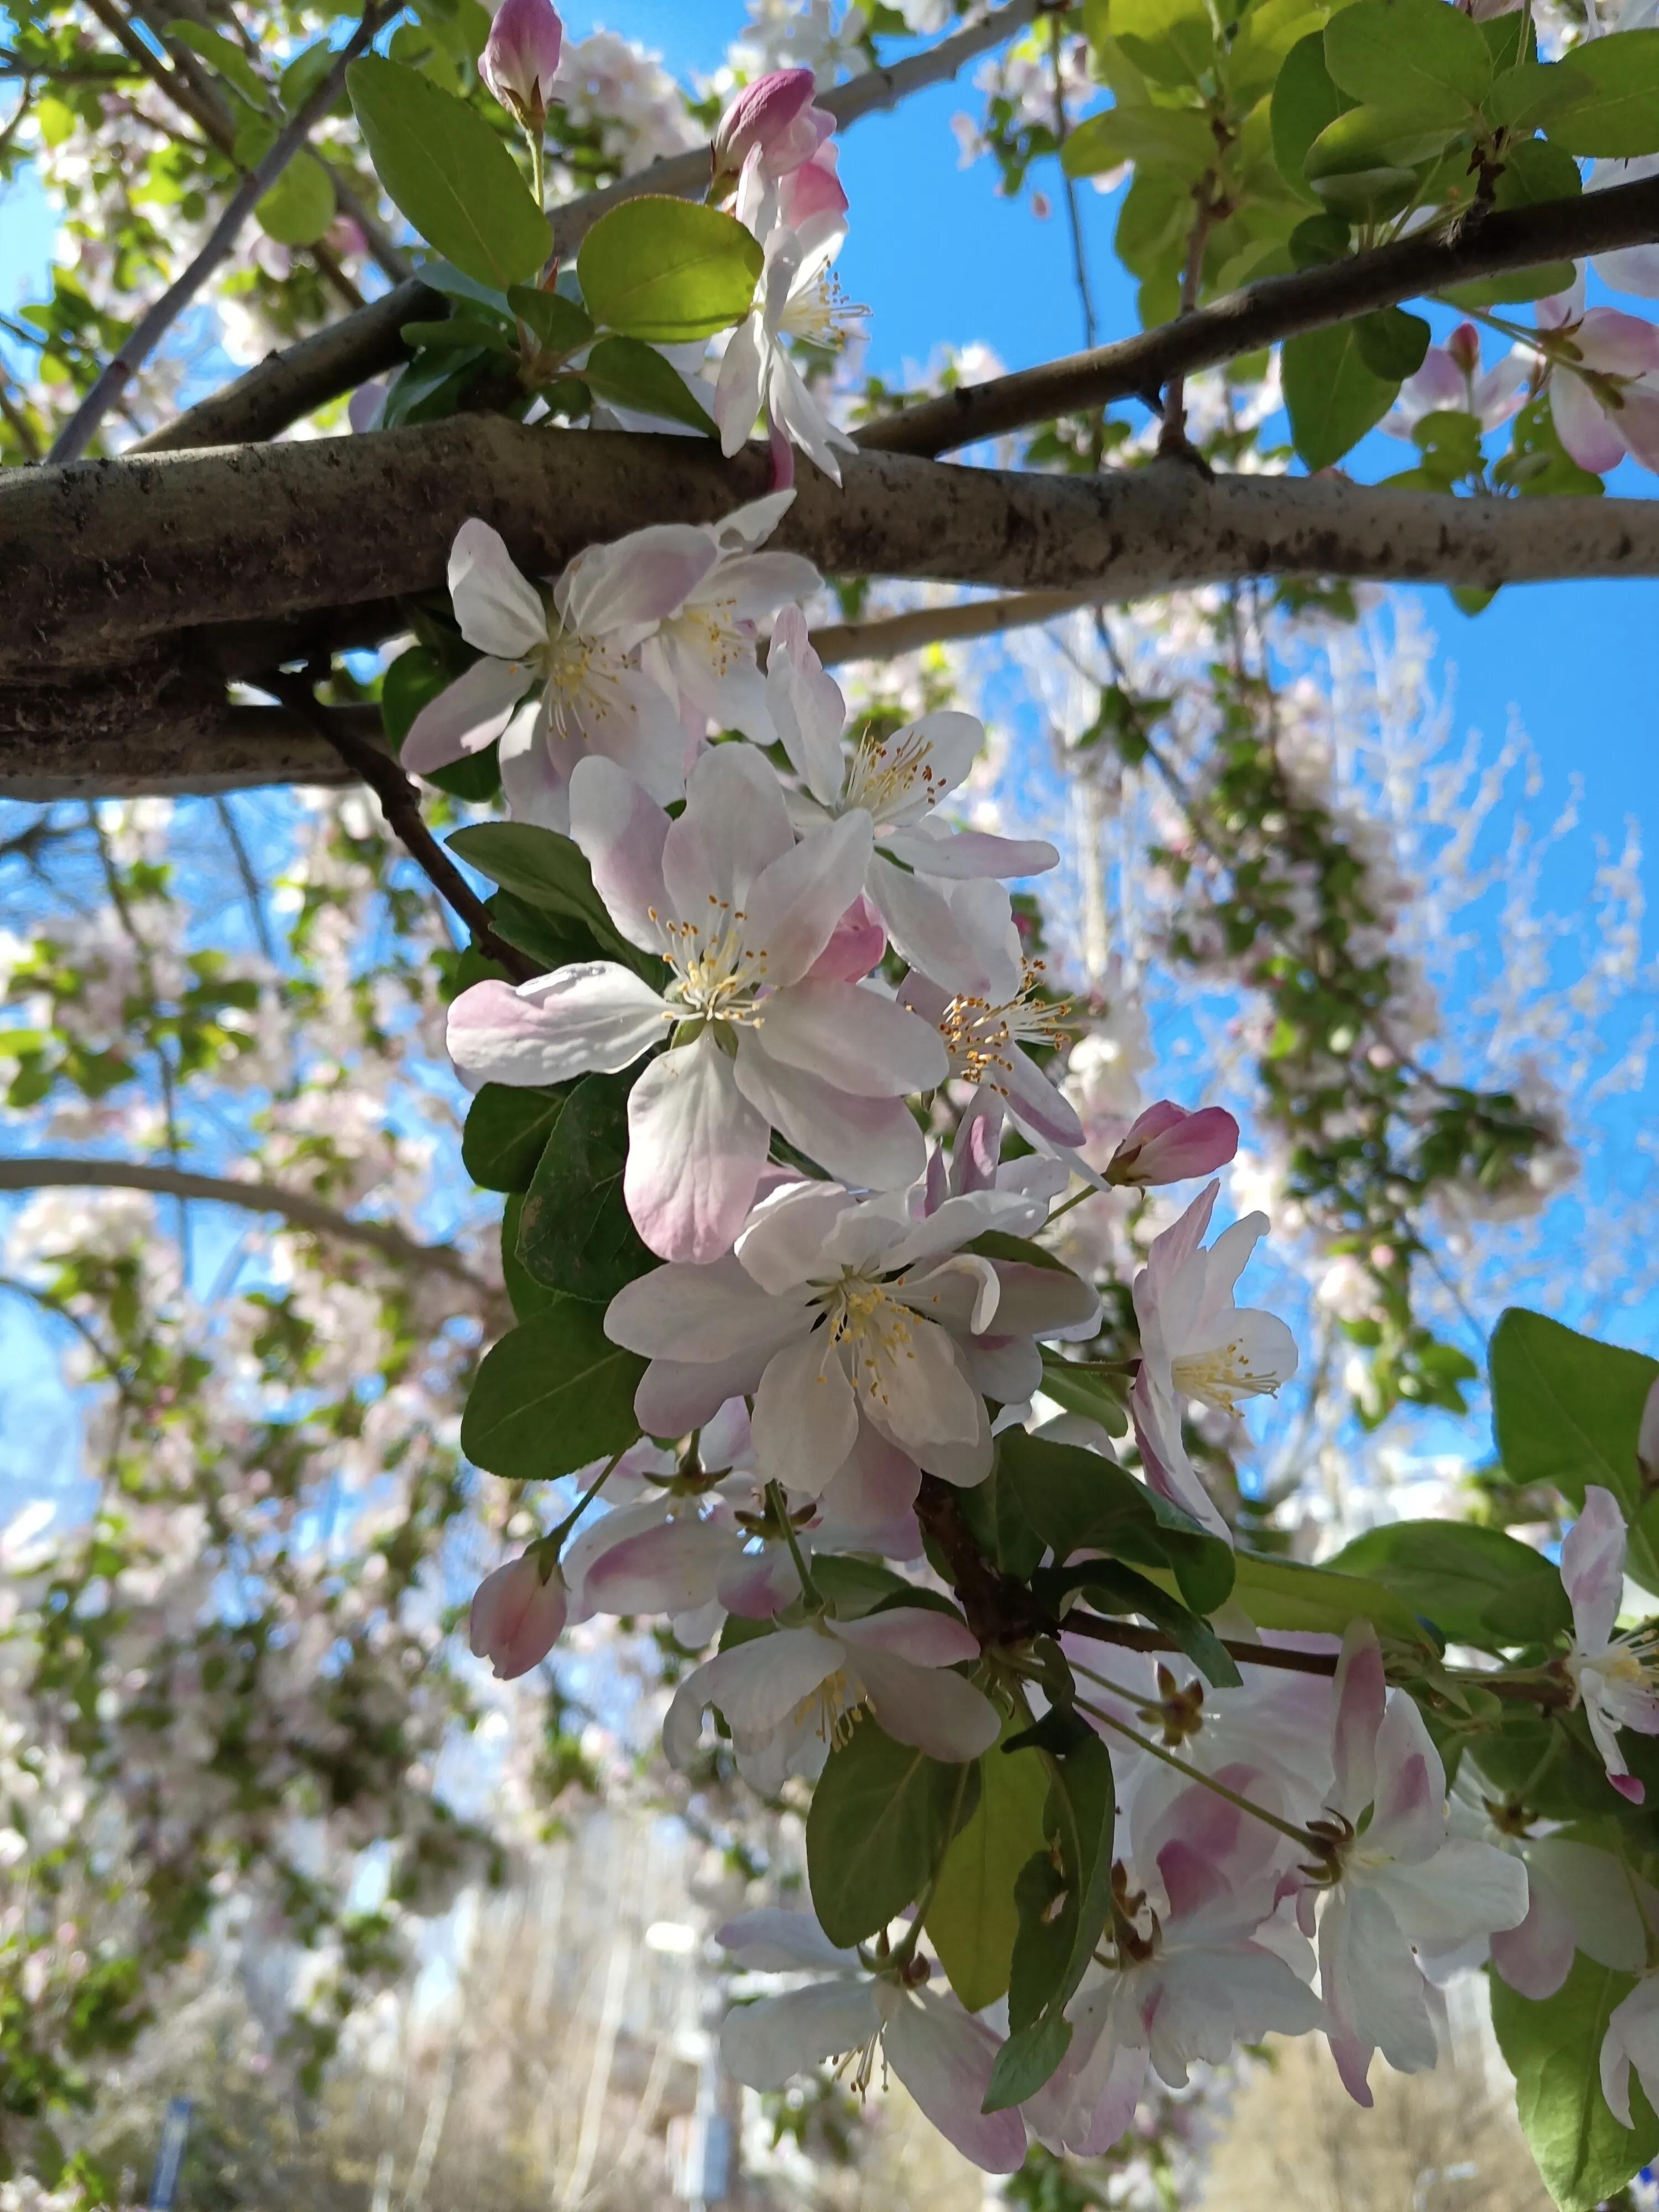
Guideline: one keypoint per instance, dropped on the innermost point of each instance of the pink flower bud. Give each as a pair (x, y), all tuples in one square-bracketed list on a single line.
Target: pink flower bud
[(1464, 347), (1168, 1143), (517, 1616), (856, 943), (774, 119), (814, 189), (522, 56)]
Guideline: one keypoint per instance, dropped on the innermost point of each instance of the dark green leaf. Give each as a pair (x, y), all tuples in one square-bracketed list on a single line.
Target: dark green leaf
[(553, 1396), (1305, 101), (631, 373), (1282, 1593), (1477, 1585), (1535, 172), (995, 1515), (526, 1297), (1392, 343), (1096, 1393), (1553, 2049), (444, 167), (1111, 1587), (1332, 398), (550, 872), (973, 1919), (1079, 1501), (668, 269), (1617, 115), (459, 330), (557, 325), (577, 1236), (881, 1815), (1418, 53), (507, 1132)]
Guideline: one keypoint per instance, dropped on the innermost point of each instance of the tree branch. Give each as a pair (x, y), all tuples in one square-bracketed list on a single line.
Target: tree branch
[(109, 560), (887, 637), (400, 802), (285, 387), (1483, 244), (296, 1207), (82, 428)]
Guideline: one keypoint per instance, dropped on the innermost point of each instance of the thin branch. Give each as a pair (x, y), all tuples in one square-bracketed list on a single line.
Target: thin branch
[(400, 802), (296, 1207), (1068, 183), (888, 637), (289, 385), (253, 892), (82, 425), (1487, 245)]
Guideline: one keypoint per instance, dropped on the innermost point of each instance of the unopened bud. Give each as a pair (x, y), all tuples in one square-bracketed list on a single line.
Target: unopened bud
[(521, 58), (1167, 1144), (1464, 347), (773, 119), (518, 1615)]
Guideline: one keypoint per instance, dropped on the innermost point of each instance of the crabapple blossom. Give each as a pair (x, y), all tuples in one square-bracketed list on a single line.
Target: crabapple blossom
[(1196, 1343), (935, 887), (986, 1038), (1397, 1880), (772, 125), (520, 58), (942, 2054), (580, 656), (788, 1697), (518, 1614), (1616, 1677), (1604, 382), (796, 297), (1632, 2041), (1448, 383), (1168, 1143), (739, 912)]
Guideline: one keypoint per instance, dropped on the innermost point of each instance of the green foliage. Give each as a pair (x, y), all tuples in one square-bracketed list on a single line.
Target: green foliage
[(1553, 2050), (1064, 1895), (668, 270), (449, 172), (1616, 114), (1097, 1393), (1306, 101), (1416, 53), (557, 325), (1280, 1593), (550, 873), (505, 1133), (1112, 1587), (973, 1919), (300, 206), (553, 1396), (1476, 1585), (1333, 397), (576, 1235), (631, 373), (882, 1815), (1078, 1501)]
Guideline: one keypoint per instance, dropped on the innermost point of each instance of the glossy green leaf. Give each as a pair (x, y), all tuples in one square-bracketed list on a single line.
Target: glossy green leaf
[(973, 1919), (1098, 1394), (1477, 1585), (1617, 115), (1180, 137), (1553, 2050), (995, 1515), (506, 1132), (1267, 33), (1282, 1593), (550, 872), (528, 1299), (1526, 95), (1372, 138), (553, 1396), (576, 1235), (449, 172), (1109, 1588), (1533, 171), (631, 373), (1333, 398), (1079, 1501), (557, 325), (668, 269), (1392, 343), (882, 1815), (1305, 101), (460, 329), (1418, 53), (1064, 1896), (300, 205)]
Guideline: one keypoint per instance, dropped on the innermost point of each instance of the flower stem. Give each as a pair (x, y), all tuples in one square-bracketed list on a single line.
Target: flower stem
[(538, 180), (1310, 1843), (809, 1589), (557, 1539)]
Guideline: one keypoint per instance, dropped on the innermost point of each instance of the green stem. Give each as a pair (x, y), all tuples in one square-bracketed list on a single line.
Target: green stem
[(1090, 1191), (1310, 1843), (538, 180), (557, 1539), (809, 1589)]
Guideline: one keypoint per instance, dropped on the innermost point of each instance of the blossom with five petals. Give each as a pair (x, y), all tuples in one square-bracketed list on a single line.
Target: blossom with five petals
[(942, 2054), (739, 912), (1617, 1677), (796, 297), (934, 887), (1196, 1343)]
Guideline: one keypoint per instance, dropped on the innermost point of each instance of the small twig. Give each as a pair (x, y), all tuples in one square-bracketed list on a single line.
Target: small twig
[(82, 425), (400, 802), (1073, 216), (252, 889)]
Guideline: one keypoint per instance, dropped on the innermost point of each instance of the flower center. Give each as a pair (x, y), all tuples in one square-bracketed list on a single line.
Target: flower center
[(860, 2065), (715, 634), (1221, 1377), (584, 682), (821, 311), (888, 775), (834, 1706), (980, 1036), (717, 976), (870, 1327), (1632, 1659)]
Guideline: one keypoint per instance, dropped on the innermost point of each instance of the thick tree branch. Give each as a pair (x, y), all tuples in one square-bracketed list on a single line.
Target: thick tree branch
[(285, 387), (296, 1207), (230, 748), (1483, 244), (82, 425), (886, 637), (109, 560)]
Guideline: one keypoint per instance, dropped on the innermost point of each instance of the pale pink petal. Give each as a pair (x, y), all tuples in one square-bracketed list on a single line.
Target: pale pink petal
[(763, 2045), (1362, 1692), (928, 1707), (738, 393), (1372, 1986), (1592, 1568), (628, 587), (496, 610), (967, 853), (783, 1243), (621, 830), (916, 1633), (1582, 425), (805, 1415), (670, 1569), (755, 1686), (675, 1396), (535, 785), (794, 903), (594, 1016), (851, 1036), (698, 1313), (695, 1150), (856, 944), (807, 708), (470, 714), (771, 1940), (872, 1142), (735, 824), (944, 2057)]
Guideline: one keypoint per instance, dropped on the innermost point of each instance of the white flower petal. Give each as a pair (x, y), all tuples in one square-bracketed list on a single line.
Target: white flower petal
[(805, 1418), (496, 608), (695, 1150), (763, 2045), (592, 1017), (471, 714)]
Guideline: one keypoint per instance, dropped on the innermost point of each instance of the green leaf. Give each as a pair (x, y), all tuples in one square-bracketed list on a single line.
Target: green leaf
[(1111, 1587), (506, 1132), (232, 64), (631, 373), (459, 330), (881, 1815), (428, 388), (1553, 2049), (1477, 1585), (550, 872), (553, 938), (1333, 398), (1267, 33), (1282, 1593), (1617, 115), (973, 1919), (1097, 1393), (995, 1515), (557, 325), (414, 679), (1529, 93), (1379, 138), (527, 1298), (1416, 53), (1170, 42), (1535, 172), (448, 171), (300, 206), (304, 74), (1537, 466), (1567, 1411), (1392, 343), (577, 1236), (553, 1396), (1078, 1501), (1177, 137), (668, 269), (1305, 101), (1064, 1895)]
